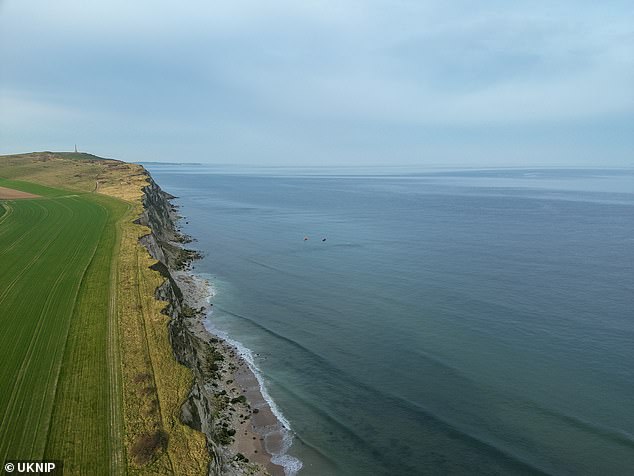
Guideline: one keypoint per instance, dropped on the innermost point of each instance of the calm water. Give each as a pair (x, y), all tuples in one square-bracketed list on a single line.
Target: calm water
[(454, 322)]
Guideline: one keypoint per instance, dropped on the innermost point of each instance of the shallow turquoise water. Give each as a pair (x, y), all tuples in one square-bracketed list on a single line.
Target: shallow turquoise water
[(453, 322)]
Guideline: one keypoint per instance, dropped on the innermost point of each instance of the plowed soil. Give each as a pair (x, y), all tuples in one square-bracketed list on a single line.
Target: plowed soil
[(11, 194)]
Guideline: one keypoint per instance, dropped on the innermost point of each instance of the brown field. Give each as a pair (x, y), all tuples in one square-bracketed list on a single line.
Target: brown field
[(10, 194)]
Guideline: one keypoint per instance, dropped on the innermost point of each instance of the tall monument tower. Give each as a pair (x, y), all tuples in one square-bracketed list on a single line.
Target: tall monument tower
[(75, 148)]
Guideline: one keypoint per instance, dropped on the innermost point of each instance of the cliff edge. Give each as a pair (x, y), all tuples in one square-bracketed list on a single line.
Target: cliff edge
[(213, 406)]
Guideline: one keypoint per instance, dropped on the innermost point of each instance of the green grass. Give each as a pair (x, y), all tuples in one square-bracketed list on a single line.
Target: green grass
[(79, 323), (57, 398)]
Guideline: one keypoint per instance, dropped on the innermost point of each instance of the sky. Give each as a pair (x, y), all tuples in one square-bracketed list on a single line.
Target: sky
[(320, 82)]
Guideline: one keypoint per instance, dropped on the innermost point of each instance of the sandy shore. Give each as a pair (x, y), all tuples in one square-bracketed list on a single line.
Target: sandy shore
[(258, 432)]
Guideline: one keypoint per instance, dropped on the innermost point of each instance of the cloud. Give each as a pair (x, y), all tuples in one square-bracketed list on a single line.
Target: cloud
[(20, 109), (269, 69)]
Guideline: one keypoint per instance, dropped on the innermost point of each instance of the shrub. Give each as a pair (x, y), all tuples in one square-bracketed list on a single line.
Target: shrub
[(148, 446), (240, 399)]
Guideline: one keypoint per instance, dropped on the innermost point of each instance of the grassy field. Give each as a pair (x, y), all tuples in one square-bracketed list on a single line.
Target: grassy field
[(80, 325)]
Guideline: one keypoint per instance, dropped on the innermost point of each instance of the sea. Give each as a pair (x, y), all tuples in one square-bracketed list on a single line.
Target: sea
[(427, 321)]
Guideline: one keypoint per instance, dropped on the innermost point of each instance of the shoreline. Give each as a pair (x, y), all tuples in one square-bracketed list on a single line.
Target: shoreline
[(268, 421), (259, 436)]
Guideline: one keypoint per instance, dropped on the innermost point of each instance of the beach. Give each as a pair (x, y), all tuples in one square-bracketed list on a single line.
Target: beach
[(259, 435)]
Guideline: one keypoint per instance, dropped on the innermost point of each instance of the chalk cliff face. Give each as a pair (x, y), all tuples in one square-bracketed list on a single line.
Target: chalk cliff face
[(192, 347)]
